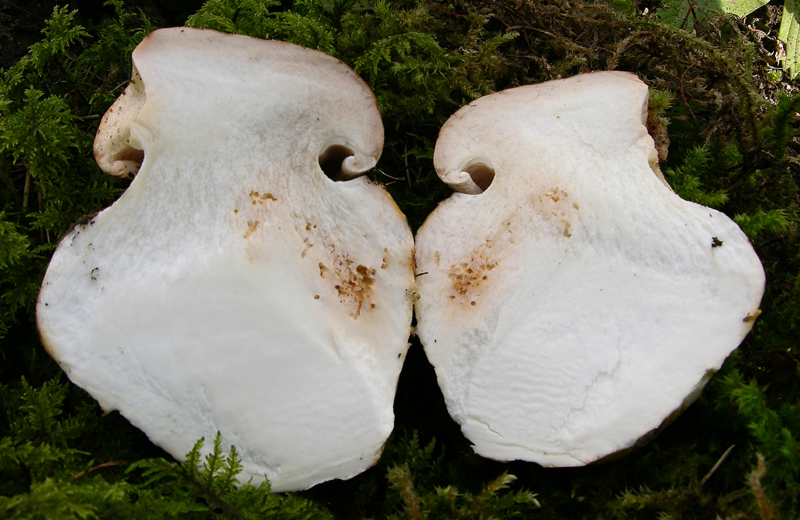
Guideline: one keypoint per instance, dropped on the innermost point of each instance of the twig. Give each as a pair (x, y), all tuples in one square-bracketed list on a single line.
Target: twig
[(124, 83), (26, 190), (690, 11), (683, 94), (100, 466), (771, 241), (717, 465), (755, 487), (387, 175), (10, 183), (507, 9), (20, 8)]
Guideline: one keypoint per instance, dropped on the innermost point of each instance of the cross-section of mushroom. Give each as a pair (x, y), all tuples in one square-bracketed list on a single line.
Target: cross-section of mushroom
[(570, 302), (235, 286)]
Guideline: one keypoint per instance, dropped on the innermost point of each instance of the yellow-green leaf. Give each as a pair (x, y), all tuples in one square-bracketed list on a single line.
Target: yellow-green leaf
[(789, 34), (742, 7), (677, 12)]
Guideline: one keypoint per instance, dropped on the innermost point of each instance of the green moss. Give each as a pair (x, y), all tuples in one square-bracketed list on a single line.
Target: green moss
[(734, 146)]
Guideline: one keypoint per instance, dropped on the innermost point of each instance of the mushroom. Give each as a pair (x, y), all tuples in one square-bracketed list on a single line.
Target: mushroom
[(569, 301), (236, 286)]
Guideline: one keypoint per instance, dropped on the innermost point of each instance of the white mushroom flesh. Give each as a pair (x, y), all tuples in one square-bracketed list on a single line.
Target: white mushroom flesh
[(577, 302), (234, 287)]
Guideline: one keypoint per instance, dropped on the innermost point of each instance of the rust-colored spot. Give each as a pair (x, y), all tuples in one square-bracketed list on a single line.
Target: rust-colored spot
[(259, 198), (355, 284), (307, 247), (553, 206), (316, 296), (252, 225), (467, 277), (346, 279)]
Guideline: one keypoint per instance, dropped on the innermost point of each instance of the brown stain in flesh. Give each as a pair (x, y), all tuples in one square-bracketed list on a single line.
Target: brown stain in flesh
[(555, 207), (307, 247), (349, 281), (354, 285), (468, 278), (260, 198), (252, 225), (345, 278), (253, 211)]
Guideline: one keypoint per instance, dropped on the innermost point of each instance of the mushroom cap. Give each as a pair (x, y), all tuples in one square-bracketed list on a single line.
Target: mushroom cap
[(235, 287), (576, 303)]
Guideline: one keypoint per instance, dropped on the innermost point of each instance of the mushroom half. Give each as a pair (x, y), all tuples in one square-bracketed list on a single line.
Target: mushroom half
[(570, 302), (236, 286)]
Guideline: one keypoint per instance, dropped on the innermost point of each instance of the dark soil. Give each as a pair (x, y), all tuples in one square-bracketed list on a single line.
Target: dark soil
[(22, 21), (20, 26)]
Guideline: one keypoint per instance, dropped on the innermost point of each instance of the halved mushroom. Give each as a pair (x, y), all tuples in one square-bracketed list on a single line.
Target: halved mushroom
[(576, 303), (235, 286)]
